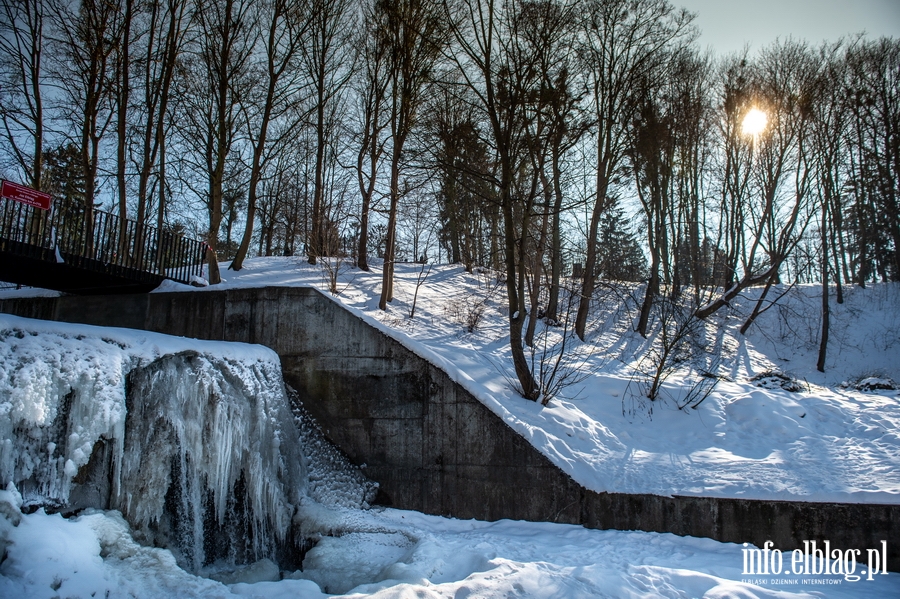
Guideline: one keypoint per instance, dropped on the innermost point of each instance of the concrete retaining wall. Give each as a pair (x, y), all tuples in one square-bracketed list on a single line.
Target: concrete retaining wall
[(431, 445)]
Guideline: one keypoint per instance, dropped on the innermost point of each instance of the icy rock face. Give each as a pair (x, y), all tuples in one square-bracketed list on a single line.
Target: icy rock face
[(56, 402), (199, 451), (211, 458)]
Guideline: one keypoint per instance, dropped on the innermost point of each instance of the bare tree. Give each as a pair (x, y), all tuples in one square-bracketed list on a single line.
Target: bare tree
[(123, 93), (215, 81), (827, 146), (779, 180), (285, 22), (89, 34), (22, 40), (568, 125), (666, 154), (624, 43), (372, 86), (327, 61), (875, 103), (547, 30), (160, 40), (734, 169), (693, 107), (414, 33), (491, 59), (653, 158)]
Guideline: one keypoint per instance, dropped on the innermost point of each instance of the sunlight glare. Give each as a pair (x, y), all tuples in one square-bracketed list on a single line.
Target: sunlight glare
[(755, 122)]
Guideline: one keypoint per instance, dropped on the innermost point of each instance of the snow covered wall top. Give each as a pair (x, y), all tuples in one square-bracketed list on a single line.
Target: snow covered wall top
[(198, 437)]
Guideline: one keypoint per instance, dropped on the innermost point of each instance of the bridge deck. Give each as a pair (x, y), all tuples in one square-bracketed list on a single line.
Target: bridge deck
[(103, 254)]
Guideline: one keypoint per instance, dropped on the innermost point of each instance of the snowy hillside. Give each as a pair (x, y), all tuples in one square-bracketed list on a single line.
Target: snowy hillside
[(748, 439)]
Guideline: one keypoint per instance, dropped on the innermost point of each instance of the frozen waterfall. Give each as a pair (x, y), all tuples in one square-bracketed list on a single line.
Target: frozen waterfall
[(194, 442), (219, 436)]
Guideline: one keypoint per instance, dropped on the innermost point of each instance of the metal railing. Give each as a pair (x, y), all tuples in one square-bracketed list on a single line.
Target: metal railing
[(106, 243)]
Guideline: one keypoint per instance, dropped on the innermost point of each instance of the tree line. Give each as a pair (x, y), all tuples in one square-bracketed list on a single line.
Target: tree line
[(522, 135)]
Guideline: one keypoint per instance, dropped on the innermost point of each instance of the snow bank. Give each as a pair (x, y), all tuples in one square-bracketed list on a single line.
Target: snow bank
[(395, 554)]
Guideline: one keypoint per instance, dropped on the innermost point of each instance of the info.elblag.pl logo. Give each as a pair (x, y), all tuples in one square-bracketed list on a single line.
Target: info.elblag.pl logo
[(814, 560)]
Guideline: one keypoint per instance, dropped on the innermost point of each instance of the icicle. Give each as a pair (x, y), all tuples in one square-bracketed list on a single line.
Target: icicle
[(191, 432), (199, 450), (216, 420)]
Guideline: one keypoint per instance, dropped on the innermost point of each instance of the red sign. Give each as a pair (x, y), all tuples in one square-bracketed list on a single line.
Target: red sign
[(26, 195)]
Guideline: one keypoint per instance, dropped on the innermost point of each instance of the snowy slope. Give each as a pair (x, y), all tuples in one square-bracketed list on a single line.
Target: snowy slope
[(824, 443)]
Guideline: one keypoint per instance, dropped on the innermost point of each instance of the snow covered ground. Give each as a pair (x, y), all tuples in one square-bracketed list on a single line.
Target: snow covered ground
[(394, 554), (825, 442)]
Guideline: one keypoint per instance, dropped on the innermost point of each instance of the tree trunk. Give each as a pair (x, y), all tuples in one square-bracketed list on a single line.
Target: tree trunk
[(122, 121), (650, 294), (260, 145), (589, 280), (215, 221), (826, 312), (367, 188), (315, 249), (387, 273), (362, 250), (37, 179), (161, 194), (516, 304), (537, 262), (555, 242)]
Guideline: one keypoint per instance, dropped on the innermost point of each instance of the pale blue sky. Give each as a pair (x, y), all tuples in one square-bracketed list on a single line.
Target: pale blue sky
[(728, 24)]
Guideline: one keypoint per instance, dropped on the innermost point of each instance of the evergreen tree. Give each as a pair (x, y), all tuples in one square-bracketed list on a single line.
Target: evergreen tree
[(64, 180), (462, 161), (619, 253)]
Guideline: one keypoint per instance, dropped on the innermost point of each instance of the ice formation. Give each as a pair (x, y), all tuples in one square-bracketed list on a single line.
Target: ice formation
[(54, 406), (220, 432), (333, 481), (195, 443)]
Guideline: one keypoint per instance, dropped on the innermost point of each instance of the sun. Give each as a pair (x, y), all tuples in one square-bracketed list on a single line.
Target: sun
[(754, 122)]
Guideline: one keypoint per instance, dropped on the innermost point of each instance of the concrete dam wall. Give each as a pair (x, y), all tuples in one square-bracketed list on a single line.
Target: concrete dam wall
[(428, 442)]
